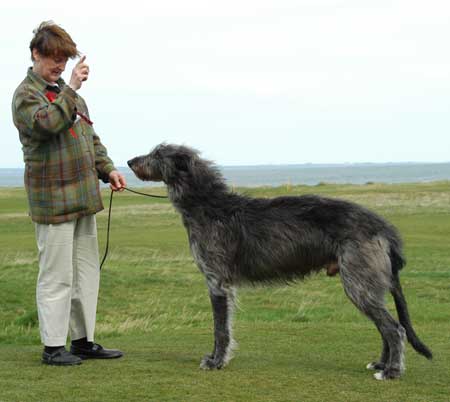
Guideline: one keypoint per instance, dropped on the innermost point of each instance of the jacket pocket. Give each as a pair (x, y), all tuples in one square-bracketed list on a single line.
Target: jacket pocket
[(70, 193)]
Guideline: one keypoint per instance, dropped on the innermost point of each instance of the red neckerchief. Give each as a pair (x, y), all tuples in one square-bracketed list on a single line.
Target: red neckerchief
[(51, 96)]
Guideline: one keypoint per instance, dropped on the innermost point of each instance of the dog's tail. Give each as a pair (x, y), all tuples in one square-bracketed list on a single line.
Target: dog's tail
[(395, 254), (403, 315)]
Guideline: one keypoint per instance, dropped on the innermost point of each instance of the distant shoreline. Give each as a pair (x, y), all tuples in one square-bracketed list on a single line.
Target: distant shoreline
[(302, 165), (300, 174)]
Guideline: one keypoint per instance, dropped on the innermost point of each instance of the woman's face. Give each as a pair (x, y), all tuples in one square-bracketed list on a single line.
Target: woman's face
[(49, 68)]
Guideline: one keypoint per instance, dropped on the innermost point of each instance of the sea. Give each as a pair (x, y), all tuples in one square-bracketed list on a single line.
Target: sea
[(304, 174)]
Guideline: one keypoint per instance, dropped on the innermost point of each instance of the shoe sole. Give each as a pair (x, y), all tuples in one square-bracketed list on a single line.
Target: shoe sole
[(86, 357), (61, 364)]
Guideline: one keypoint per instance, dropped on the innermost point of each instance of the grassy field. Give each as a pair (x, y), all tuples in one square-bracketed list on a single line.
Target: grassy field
[(303, 343)]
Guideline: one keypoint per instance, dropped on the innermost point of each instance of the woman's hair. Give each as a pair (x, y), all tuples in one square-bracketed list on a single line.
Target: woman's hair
[(51, 40)]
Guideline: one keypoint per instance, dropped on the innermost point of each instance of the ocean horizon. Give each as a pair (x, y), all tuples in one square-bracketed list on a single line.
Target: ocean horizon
[(301, 174)]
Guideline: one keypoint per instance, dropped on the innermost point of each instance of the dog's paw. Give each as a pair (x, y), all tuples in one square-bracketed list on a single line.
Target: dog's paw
[(387, 374), (379, 376), (376, 366), (209, 363)]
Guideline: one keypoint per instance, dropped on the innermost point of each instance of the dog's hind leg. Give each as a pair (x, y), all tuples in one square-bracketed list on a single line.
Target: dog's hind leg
[(222, 301), (394, 335), (366, 276)]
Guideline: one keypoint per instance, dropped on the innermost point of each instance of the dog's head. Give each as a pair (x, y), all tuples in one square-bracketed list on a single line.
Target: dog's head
[(166, 162)]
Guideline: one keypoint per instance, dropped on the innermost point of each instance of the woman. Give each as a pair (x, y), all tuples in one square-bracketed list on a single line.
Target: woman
[(64, 159)]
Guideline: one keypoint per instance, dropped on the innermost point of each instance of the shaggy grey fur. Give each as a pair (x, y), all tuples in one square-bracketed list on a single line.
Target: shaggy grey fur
[(236, 239)]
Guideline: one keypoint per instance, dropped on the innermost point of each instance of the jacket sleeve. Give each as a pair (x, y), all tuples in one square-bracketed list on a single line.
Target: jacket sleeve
[(103, 164), (42, 119)]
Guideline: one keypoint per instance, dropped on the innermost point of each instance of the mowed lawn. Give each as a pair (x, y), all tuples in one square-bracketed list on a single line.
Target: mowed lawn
[(305, 342)]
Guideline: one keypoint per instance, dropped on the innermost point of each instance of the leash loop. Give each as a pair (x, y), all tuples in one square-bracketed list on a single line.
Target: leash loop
[(107, 229), (109, 217)]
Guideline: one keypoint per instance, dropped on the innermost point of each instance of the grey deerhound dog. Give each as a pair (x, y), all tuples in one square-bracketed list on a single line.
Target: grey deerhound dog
[(236, 239)]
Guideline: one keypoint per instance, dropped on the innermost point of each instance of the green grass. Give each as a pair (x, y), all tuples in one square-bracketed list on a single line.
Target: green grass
[(305, 342)]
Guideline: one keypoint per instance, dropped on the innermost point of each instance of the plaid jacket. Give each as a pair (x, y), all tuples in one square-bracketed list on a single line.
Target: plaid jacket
[(63, 155)]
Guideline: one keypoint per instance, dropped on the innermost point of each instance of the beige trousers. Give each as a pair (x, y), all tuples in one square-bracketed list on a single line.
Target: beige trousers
[(68, 281)]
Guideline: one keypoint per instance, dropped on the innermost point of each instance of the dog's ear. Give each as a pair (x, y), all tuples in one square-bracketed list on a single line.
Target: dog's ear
[(181, 162), (175, 166)]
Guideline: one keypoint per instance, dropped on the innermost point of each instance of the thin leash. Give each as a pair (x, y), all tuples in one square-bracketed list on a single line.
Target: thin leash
[(109, 217)]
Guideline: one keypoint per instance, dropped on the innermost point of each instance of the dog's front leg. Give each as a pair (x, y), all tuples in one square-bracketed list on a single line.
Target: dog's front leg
[(222, 301)]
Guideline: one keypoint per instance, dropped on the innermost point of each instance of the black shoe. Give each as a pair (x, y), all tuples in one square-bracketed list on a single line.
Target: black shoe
[(60, 357), (94, 351)]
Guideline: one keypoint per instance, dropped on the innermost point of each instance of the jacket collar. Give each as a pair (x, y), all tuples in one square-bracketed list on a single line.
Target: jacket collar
[(40, 83)]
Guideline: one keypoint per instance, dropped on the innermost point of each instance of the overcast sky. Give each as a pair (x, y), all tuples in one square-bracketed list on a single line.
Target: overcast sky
[(251, 81)]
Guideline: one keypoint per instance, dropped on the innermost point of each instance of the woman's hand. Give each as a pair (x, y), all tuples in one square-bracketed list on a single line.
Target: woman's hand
[(117, 181), (80, 74)]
